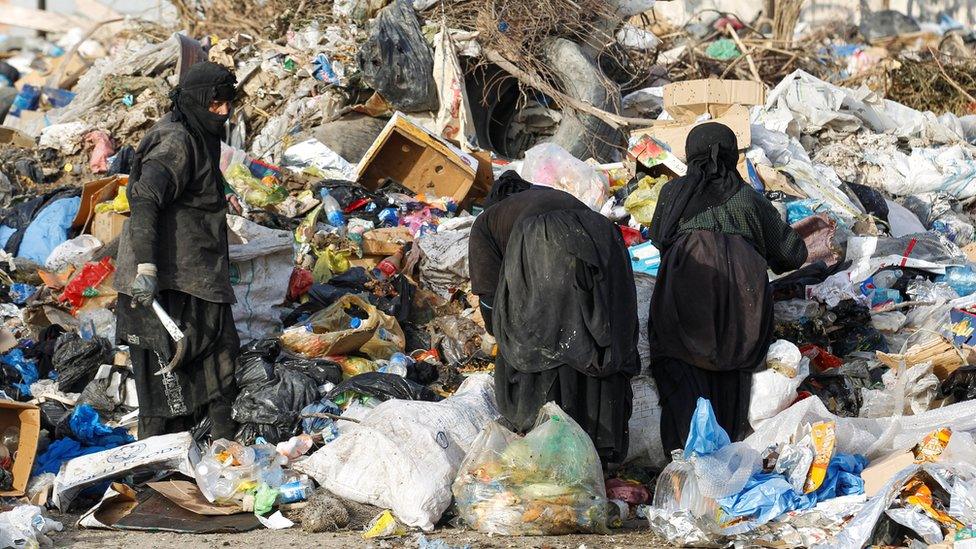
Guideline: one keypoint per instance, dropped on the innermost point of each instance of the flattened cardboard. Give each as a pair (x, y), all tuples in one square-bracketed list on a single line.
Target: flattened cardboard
[(879, 472), (422, 162), (15, 137), (155, 513), (188, 496), (386, 241), (689, 99), (674, 134), (118, 501), (28, 418)]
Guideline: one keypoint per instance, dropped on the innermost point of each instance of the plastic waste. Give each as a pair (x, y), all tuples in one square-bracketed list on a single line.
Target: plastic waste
[(20, 292), (26, 526), (271, 409), (328, 332), (331, 209), (677, 489), (381, 386), (296, 490), (774, 389), (552, 166), (961, 279), (549, 482)]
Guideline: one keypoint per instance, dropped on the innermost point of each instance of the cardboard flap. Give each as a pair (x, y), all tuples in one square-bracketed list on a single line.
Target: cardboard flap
[(674, 134), (692, 98), (28, 418), (95, 192)]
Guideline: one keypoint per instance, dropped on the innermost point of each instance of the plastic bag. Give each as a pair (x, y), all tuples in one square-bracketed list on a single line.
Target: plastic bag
[(705, 436), (87, 281), (961, 279), (549, 482), (907, 393), (641, 203), (960, 385), (349, 325), (256, 192), (550, 165), (381, 386), (774, 389), (272, 409), (26, 526), (76, 251), (76, 360)]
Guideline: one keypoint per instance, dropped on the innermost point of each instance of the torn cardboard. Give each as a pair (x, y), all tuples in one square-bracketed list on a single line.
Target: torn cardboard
[(15, 137), (877, 475), (96, 192), (688, 100), (27, 418), (674, 134), (118, 501), (188, 496)]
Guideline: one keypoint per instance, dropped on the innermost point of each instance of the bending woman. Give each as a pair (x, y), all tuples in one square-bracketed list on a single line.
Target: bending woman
[(557, 292), (711, 319)]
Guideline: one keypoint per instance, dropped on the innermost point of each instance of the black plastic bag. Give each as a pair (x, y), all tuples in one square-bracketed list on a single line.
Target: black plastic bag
[(383, 387), (255, 364), (77, 360), (840, 394), (960, 385), (53, 413), (272, 409), (423, 373), (321, 370), (396, 61), (43, 349)]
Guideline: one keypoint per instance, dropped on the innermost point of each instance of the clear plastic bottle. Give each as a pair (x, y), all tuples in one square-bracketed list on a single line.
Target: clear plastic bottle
[(296, 490), (332, 210), (887, 278)]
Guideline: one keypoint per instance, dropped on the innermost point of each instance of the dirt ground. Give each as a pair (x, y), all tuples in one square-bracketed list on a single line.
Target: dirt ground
[(295, 537)]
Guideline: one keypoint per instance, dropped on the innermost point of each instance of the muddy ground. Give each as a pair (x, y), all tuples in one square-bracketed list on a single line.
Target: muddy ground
[(295, 537)]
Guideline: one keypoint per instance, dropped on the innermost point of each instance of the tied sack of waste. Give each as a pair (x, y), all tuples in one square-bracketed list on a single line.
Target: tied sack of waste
[(549, 482)]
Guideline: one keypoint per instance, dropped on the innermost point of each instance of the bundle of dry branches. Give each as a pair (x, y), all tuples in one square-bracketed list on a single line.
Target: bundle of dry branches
[(785, 18), (935, 82), (228, 17)]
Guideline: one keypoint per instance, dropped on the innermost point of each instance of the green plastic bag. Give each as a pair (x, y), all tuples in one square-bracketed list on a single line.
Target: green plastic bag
[(723, 49), (549, 482)]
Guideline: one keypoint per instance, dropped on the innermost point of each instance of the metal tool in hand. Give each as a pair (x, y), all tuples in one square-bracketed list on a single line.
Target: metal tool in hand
[(174, 332)]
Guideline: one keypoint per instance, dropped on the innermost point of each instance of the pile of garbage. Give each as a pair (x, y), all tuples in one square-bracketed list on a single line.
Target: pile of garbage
[(360, 151)]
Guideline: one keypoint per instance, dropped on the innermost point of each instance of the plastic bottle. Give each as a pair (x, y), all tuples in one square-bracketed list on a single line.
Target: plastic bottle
[(332, 210), (887, 278), (391, 265), (296, 490), (388, 217), (11, 438), (295, 447), (355, 322), (398, 364)]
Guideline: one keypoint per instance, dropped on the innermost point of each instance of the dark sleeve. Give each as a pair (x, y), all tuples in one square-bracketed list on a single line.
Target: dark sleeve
[(148, 196), (484, 258), (664, 203), (785, 250)]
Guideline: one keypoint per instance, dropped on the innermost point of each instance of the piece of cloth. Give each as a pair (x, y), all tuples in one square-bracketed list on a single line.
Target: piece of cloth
[(176, 194), (728, 324), (712, 179), (506, 185), (601, 405), (218, 411), (492, 229), (680, 385), (567, 296), (206, 373)]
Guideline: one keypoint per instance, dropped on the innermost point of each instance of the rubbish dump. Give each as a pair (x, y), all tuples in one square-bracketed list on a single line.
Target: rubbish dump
[(364, 140)]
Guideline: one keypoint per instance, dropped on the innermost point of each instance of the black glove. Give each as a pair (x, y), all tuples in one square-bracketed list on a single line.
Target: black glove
[(144, 290)]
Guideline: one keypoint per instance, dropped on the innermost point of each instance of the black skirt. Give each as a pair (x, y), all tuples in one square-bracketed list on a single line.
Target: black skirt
[(601, 405), (207, 371)]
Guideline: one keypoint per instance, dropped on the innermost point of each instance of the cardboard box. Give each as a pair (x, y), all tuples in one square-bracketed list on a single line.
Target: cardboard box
[(655, 157), (879, 472), (96, 192), (674, 134), (107, 226), (690, 99), (28, 418), (421, 161), (15, 137)]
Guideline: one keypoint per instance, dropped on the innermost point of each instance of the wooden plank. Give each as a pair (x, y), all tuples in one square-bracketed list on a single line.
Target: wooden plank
[(38, 20)]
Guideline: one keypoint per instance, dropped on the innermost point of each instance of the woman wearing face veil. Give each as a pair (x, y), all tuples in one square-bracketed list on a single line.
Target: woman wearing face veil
[(711, 318), (174, 250)]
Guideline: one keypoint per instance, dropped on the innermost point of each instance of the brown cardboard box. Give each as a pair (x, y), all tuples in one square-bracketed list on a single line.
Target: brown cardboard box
[(28, 418), (879, 472), (689, 99), (674, 134), (95, 192), (107, 226), (15, 137), (422, 162)]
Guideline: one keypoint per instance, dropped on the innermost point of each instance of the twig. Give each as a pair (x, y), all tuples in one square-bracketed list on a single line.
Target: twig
[(742, 47), (949, 79), (327, 415)]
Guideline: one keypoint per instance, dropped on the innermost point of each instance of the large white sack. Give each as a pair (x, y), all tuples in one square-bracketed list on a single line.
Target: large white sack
[(260, 266), (405, 454), (645, 446), (772, 391)]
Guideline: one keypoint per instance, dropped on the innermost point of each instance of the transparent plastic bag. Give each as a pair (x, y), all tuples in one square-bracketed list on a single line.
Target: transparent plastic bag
[(792, 310), (550, 165), (725, 472), (338, 330), (908, 392), (549, 482), (677, 490)]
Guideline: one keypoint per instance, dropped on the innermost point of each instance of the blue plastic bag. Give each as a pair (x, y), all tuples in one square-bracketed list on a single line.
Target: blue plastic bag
[(798, 210), (20, 292), (322, 425), (705, 436), (961, 279), (27, 368), (90, 431), (49, 229)]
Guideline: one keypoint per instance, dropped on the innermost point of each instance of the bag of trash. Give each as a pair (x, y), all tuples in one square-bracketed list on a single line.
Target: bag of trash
[(960, 385), (552, 166), (350, 325), (404, 455), (272, 409), (320, 369), (774, 388), (76, 251), (549, 482), (26, 526), (381, 386), (255, 364), (76, 360)]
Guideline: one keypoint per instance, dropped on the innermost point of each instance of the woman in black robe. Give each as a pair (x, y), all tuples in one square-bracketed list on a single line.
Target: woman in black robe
[(711, 318), (556, 290)]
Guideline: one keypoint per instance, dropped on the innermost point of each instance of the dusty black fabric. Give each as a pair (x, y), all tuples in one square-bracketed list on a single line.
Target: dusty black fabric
[(601, 405), (506, 185), (179, 217), (567, 296), (679, 385), (711, 180), (207, 371), (492, 229), (712, 306)]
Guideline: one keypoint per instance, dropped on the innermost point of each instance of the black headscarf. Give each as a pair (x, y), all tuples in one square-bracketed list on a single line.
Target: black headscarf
[(712, 179), (204, 82), (506, 185)]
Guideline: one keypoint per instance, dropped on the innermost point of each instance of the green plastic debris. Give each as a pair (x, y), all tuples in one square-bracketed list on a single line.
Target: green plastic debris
[(264, 499), (723, 50)]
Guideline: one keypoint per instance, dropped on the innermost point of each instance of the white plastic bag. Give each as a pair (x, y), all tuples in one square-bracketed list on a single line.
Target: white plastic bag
[(76, 251), (550, 165), (774, 389), (404, 454), (645, 445), (26, 526), (907, 393)]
